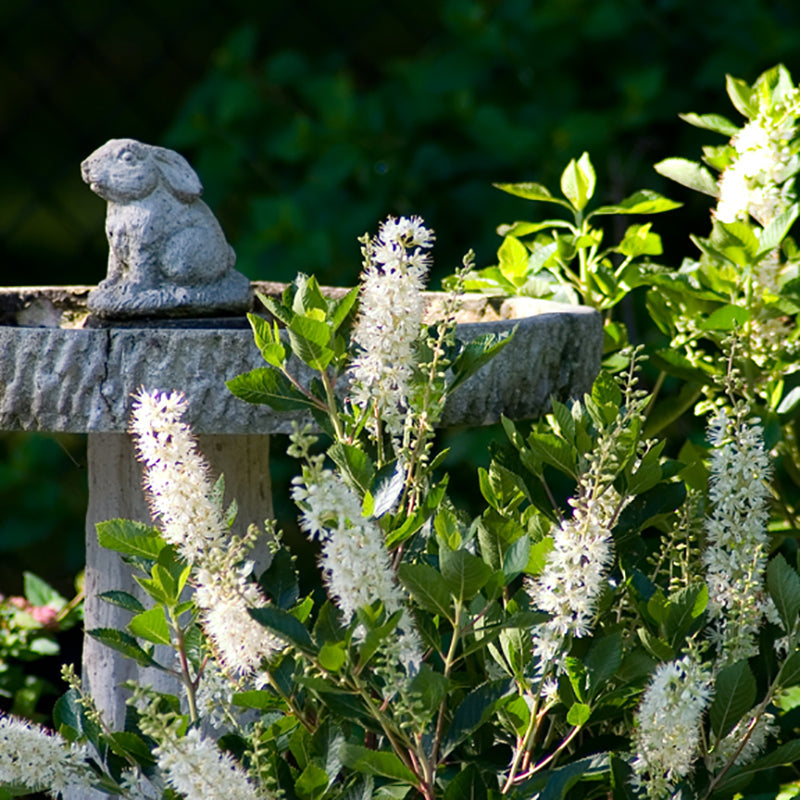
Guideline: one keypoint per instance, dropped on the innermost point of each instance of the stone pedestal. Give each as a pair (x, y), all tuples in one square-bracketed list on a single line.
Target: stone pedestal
[(58, 373)]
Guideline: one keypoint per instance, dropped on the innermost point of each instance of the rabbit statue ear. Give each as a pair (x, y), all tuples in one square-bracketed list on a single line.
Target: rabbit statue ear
[(179, 177)]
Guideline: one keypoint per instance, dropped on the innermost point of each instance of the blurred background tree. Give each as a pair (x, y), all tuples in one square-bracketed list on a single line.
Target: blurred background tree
[(308, 122)]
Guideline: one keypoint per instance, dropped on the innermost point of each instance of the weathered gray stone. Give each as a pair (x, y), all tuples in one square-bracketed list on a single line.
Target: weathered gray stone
[(82, 379), (167, 252)]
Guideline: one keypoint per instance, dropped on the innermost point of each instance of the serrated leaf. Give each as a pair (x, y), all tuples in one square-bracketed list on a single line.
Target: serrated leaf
[(689, 174), (343, 307), (515, 558), (603, 660), (641, 202), (130, 538), (310, 340), (267, 340), (473, 710), (122, 600), (531, 191), (124, 643), (776, 230), (425, 585), (151, 625), (711, 122), (734, 696), (464, 573), (640, 241), (354, 463), (578, 714), (554, 451), (783, 585), (475, 354), (377, 762), (267, 386)]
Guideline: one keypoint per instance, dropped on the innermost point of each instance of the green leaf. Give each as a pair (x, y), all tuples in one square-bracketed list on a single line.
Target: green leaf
[(642, 202), (68, 712), (726, 318), (578, 714), (130, 538), (776, 230), (640, 241), (267, 386), (473, 711), (312, 782), (513, 259), (466, 785), (783, 584), (332, 656), (40, 593), (464, 573), (734, 696), (279, 580), (689, 174), (531, 191), (554, 451), (711, 122), (267, 340), (741, 95), (578, 181), (124, 643), (425, 585), (310, 340), (128, 744), (475, 354), (151, 626), (377, 762), (789, 674), (257, 698), (603, 660), (285, 626), (343, 307), (515, 558), (354, 463), (537, 557)]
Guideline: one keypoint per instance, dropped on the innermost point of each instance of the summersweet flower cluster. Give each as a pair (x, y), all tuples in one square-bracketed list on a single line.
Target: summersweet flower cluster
[(667, 735), (753, 731), (736, 534), (355, 563), (40, 760), (196, 767), (388, 327), (757, 182), (177, 478), (574, 574), (184, 501)]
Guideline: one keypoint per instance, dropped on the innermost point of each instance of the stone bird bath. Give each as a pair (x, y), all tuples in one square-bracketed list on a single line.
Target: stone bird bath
[(70, 359)]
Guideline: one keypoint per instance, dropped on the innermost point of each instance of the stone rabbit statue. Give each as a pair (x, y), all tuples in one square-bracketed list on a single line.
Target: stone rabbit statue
[(167, 252)]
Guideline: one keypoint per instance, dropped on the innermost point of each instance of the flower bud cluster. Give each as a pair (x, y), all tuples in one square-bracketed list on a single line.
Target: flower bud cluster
[(388, 328), (184, 501)]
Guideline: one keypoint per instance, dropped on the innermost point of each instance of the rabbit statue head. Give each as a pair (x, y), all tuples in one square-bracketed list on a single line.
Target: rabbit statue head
[(167, 252)]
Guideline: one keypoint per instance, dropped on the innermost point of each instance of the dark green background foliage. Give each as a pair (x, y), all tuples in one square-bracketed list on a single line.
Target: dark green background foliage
[(309, 122)]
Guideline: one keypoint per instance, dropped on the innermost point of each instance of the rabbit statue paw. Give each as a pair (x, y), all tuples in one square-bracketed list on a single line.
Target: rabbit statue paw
[(167, 253)]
